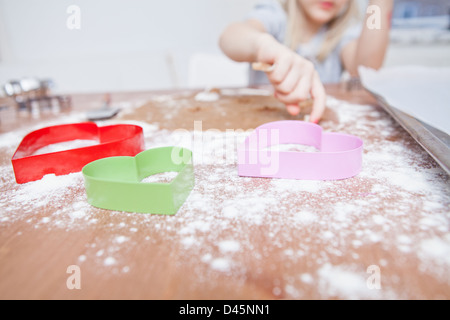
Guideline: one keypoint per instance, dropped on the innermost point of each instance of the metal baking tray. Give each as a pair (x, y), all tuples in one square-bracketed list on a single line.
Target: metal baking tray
[(434, 141)]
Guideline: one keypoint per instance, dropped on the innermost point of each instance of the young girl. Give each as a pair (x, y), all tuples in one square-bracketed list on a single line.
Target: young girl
[(308, 42)]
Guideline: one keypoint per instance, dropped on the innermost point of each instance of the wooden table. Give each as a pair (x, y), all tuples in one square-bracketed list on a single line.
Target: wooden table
[(383, 234)]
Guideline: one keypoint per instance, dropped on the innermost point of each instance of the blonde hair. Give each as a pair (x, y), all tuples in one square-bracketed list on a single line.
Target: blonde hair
[(335, 28)]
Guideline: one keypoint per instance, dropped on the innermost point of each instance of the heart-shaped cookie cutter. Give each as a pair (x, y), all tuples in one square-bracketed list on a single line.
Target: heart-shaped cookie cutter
[(115, 183), (114, 140), (339, 156)]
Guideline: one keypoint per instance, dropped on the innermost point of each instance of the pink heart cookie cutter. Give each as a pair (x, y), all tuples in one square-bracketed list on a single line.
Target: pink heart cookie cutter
[(339, 156)]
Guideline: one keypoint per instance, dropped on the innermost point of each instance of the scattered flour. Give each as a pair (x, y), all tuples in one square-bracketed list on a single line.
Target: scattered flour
[(50, 187), (45, 220), (307, 278), (292, 148), (221, 264), (110, 261), (229, 246), (79, 214), (121, 239), (196, 226), (246, 92), (340, 281), (300, 231), (207, 96), (188, 241), (230, 212), (435, 252), (11, 139), (276, 291), (164, 177), (305, 217), (297, 185)]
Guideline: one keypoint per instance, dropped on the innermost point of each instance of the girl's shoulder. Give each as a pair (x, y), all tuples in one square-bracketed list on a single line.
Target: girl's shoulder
[(272, 15), (270, 6)]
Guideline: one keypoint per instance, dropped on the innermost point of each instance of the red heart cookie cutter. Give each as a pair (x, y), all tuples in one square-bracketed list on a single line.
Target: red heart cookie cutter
[(114, 140)]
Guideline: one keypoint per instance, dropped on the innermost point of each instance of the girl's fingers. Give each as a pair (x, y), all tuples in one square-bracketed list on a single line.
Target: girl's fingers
[(293, 109), (294, 80), (319, 96), (280, 70), (304, 74), (289, 83), (298, 95), (304, 86)]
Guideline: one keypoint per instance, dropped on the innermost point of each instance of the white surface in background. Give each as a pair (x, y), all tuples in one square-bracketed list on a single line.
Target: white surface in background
[(422, 92), (145, 45), (122, 45), (216, 70), (430, 55)]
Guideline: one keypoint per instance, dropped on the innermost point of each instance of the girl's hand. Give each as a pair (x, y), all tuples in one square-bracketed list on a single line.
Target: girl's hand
[(293, 77)]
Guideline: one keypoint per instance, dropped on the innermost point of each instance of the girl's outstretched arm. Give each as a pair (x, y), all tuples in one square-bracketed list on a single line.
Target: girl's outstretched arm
[(370, 49), (240, 41), (293, 77)]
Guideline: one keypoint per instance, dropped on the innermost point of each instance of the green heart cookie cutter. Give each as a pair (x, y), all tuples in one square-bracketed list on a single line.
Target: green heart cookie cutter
[(115, 183)]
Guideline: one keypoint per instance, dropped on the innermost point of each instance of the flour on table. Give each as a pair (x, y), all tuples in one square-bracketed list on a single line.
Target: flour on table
[(110, 261), (207, 96), (121, 239), (340, 281), (398, 203), (221, 264), (229, 246), (292, 147), (164, 177), (246, 92)]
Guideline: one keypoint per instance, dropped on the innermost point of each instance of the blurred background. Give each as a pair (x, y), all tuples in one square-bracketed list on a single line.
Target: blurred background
[(148, 45)]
